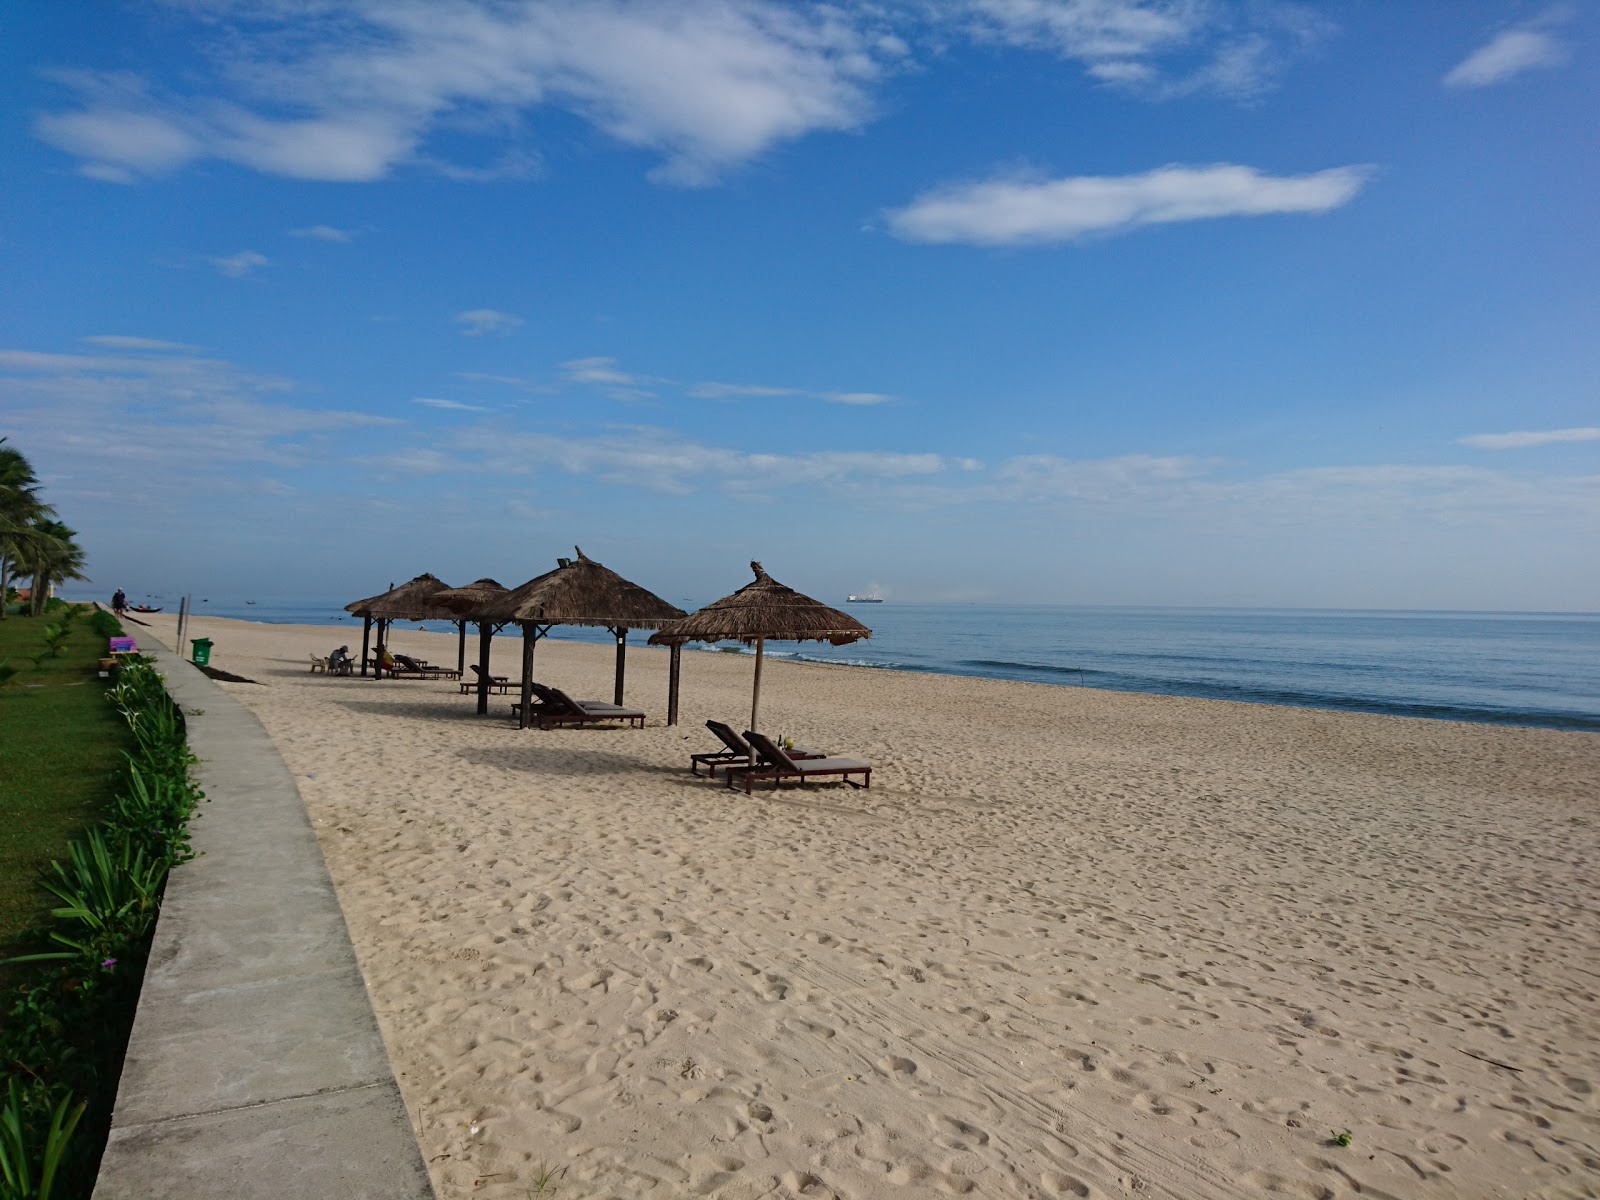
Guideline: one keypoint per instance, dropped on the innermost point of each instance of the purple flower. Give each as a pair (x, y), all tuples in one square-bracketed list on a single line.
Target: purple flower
[(109, 963)]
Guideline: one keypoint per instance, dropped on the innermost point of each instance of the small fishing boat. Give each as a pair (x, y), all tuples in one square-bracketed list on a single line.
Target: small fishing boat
[(142, 608)]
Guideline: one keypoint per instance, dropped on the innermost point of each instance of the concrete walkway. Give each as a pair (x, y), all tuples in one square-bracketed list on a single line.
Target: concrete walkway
[(256, 1068)]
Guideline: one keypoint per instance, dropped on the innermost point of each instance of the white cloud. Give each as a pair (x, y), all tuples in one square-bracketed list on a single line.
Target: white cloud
[(1520, 441), (1005, 212), (599, 370), (705, 84), (603, 373), (110, 341), (119, 145), (448, 405), (323, 233), (664, 461), (1509, 54), (738, 391), (856, 398), (237, 266), (137, 420), (478, 322), (511, 381), (410, 462), (1158, 47), (1036, 477)]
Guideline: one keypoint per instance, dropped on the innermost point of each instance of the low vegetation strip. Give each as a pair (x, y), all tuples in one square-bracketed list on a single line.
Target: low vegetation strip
[(61, 748), (72, 994)]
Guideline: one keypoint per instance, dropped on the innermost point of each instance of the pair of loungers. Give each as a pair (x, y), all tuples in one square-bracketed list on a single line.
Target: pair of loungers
[(555, 707), (756, 756)]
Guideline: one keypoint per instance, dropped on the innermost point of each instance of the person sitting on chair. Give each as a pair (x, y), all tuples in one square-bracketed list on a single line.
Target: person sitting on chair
[(340, 661)]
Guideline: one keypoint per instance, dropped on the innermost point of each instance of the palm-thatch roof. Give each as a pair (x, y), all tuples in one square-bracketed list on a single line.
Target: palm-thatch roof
[(764, 609), (408, 602), (582, 592), (465, 603)]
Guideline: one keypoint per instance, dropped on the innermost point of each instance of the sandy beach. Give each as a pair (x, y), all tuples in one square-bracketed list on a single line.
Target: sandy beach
[(1070, 943)]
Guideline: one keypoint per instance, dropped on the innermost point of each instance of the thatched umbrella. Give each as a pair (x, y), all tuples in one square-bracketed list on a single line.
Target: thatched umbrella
[(470, 603), (582, 592), (408, 602), (758, 611)]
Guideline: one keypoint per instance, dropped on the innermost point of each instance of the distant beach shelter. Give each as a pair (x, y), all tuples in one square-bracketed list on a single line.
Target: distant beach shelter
[(408, 602), (473, 602), (758, 611), (581, 591)]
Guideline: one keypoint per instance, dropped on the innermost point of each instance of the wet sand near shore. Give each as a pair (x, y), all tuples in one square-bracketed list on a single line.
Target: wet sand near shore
[(1070, 943)]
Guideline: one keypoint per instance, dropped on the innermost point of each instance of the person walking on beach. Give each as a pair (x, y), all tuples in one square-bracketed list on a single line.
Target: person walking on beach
[(119, 602)]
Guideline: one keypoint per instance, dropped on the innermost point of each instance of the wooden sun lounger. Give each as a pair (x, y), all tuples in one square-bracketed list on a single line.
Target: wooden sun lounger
[(737, 752), (779, 766), (497, 683), (423, 670), (558, 708)]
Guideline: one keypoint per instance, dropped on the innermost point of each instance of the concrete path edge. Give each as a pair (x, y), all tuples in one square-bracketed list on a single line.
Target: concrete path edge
[(256, 1068)]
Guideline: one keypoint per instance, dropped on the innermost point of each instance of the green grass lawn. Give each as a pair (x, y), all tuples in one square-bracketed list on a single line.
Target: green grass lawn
[(61, 746)]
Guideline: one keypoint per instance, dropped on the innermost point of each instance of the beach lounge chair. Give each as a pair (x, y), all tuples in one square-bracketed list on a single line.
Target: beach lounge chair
[(736, 752), (319, 662), (778, 765), (497, 683), (406, 665), (555, 707)]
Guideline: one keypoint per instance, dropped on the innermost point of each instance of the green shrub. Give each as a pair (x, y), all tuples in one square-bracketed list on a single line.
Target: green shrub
[(30, 1155), (103, 624)]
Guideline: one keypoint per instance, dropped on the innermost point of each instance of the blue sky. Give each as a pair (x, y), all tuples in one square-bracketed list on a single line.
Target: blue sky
[(1081, 301)]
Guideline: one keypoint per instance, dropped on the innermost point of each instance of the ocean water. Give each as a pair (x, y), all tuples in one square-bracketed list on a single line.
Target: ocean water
[(1538, 669)]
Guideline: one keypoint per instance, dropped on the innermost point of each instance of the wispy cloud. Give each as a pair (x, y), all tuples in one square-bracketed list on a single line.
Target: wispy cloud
[(600, 370), (237, 266), (132, 420), (110, 341), (705, 86), (743, 391), (1156, 47), (1512, 52), (448, 405), (611, 380), (324, 233), (663, 461), (511, 381), (480, 322), (1006, 212), (1522, 441), (856, 398), (409, 462)]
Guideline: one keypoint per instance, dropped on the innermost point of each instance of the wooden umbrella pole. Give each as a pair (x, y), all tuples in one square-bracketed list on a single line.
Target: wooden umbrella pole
[(673, 671), (461, 648), (530, 635), (485, 633), (383, 630), (366, 643), (622, 659), (755, 699)]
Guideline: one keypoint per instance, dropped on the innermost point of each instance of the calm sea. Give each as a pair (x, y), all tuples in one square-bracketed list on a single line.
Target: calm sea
[(1509, 668)]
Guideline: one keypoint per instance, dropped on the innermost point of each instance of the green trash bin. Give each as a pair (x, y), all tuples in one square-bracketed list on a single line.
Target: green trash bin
[(202, 651)]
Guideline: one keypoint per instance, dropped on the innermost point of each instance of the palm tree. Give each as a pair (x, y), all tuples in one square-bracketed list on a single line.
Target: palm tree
[(56, 558), (20, 511)]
